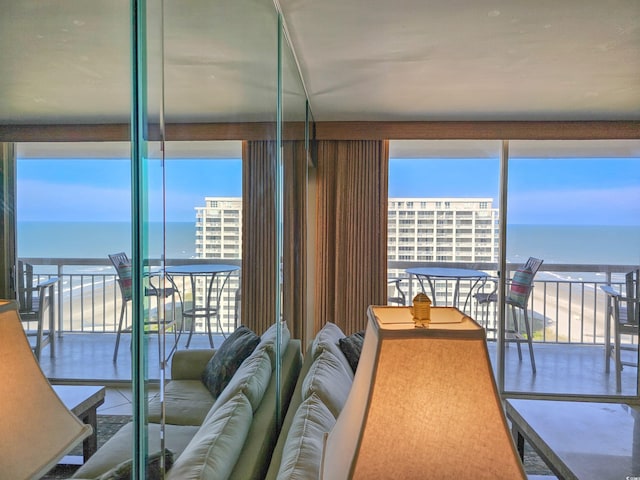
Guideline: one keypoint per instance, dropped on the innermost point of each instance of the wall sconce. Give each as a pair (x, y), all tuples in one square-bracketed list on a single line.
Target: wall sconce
[(424, 404), (36, 429)]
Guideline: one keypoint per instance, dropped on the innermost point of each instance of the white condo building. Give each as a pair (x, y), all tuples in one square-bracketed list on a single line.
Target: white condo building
[(419, 230), (219, 236), (442, 230), (439, 230), (219, 228)]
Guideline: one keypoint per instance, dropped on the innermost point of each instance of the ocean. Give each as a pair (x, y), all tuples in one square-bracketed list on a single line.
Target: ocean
[(98, 239), (575, 244), (594, 244)]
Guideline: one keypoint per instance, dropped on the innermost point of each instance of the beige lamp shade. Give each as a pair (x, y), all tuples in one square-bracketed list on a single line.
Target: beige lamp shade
[(423, 404), (36, 429)]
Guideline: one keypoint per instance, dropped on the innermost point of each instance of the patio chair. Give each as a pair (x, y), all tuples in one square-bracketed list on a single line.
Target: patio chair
[(37, 306), (160, 323), (520, 288), (395, 295), (36, 429), (624, 311)]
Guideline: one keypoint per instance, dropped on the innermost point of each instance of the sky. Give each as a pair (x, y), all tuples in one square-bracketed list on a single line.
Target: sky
[(541, 191)]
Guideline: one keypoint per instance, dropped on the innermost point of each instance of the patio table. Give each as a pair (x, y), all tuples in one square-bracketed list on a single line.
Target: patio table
[(211, 306), (432, 274)]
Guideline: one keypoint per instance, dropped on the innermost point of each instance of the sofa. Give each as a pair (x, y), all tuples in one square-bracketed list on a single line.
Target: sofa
[(320, 393), (231, 435), (234, 435)]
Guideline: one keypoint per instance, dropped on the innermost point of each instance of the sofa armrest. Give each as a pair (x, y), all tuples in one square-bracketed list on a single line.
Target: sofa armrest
[(189, 364)]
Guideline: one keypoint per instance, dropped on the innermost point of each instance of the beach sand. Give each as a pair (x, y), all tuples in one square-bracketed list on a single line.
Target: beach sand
[(571, 313), (564, 313)]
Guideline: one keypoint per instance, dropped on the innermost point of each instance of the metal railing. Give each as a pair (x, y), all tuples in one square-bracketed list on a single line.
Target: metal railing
[(89, 299), (567, 304), (567, 309)]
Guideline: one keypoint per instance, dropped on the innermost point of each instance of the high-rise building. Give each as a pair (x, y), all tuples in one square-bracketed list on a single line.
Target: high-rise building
[(419, 230), (442, 230), (219, 236), (219, 228)]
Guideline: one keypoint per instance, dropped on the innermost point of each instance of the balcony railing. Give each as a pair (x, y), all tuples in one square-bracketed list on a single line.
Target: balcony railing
[(89, 299), (567, 304)]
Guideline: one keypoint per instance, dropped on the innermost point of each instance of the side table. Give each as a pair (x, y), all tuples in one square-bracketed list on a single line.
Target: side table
[(83, 401)]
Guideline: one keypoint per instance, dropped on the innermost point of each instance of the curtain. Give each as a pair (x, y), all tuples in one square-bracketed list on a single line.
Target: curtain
[(259, 265), (351, 261), (295, 232)]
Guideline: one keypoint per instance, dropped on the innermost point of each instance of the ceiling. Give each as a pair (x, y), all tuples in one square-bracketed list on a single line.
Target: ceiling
[(68, 61), (469, 59)]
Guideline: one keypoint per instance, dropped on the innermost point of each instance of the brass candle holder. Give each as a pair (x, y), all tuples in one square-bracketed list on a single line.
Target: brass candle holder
[(421, 310)]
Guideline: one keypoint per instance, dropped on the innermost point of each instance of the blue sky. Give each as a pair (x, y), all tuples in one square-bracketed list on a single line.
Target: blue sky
[(593, 191)]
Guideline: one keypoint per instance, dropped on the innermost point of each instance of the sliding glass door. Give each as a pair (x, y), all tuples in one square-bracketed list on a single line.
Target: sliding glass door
[(573, 205), (550, 227)]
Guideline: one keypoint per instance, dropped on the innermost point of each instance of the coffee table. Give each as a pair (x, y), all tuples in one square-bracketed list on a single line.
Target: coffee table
[(585, 440), (83, 401)]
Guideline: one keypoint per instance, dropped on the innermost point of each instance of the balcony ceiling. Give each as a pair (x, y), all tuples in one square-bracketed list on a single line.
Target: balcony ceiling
[(67, 61)]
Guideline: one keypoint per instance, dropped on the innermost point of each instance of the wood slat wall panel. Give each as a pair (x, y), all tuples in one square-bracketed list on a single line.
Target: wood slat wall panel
[(595, 130)]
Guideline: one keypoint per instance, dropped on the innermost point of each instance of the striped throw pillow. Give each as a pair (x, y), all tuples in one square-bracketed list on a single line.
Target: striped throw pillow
[(124, 272), (520, 286)]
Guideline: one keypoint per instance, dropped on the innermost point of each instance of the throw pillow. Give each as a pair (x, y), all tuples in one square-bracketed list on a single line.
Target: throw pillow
[(520, 286), (302, 453), (268, 340), (124, 276), (327, 339), (329, 379), (123, 470), (351, 346), (233, 351)]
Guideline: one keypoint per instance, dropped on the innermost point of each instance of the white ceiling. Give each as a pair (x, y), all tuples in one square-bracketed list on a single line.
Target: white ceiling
[(68, 61), (469, 59)]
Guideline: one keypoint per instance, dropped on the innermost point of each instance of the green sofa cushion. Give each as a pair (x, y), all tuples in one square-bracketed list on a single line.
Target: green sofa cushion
[(268, 341), (153, 471), (328, 338), (251, 379), (329, 380), (118, 448), (303, 449), (187, 402), (214, 449), (258, 449)]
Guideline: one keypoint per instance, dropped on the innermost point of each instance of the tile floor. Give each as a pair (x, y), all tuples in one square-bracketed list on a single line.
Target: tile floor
[(562, 368)]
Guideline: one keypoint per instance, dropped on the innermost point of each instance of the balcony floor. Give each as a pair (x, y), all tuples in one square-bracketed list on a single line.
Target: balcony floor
[(561, 368), (88, 357)]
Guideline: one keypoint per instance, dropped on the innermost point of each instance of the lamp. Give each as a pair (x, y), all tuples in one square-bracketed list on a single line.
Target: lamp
[(36, 429), (423, 404)]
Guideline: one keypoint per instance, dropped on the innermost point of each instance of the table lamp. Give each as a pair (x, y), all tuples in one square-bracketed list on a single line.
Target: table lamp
[(36, 429), (424, 404)]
